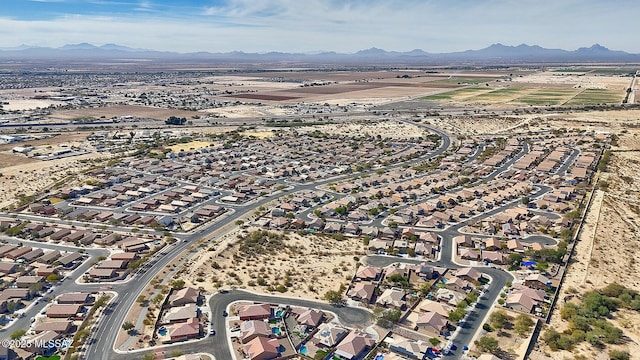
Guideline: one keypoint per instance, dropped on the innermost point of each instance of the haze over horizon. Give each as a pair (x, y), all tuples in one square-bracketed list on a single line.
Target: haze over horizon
[(307, 26)]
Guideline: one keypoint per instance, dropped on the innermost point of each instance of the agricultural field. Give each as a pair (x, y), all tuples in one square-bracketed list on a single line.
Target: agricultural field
[(597, 96), (548, 96)]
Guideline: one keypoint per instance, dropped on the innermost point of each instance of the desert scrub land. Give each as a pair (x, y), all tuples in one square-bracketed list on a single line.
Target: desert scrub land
[(295, 263), (505, 334), (598, 322)]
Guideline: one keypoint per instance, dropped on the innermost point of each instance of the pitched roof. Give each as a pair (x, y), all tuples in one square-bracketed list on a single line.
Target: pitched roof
[(354, 343), (521, 299), (329, 334), (185, 295), (311, 317), (261, 346), (255, 310), (189, 328), (255, 327), (436, 307), (432, 319), (470, 272), (362, 291), (391, 297)]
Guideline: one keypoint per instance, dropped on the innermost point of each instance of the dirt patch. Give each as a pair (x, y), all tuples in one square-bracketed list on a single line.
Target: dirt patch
[(302, 266), (192, 145), (122, 110), (265, 97), (55, 139), (8, 160)]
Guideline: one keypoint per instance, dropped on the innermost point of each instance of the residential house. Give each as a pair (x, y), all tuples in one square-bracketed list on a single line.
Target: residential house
[(520, 302), (354, 345), (434, 306), (468, 254), (469, 274), (181, 314), (60, 327), (412, 349), (464, 240), (252, 329), (255, 312), (310, 318), (189, 329), (537, 281), (369, 273), (29, 281), (391, 297), (457, 284), (362, 291), (65, 311), (262, 348), (433, 323), (75, 298), (328, 335), (184, 296)]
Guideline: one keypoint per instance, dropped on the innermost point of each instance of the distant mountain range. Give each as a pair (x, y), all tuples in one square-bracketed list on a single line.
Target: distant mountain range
[(496, 53)]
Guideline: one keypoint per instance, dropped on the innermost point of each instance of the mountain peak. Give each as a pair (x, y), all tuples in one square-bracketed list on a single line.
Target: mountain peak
[(371, 51), (80, 46)]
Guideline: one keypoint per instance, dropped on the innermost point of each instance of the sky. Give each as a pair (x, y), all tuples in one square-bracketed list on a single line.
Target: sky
[(307, 26)]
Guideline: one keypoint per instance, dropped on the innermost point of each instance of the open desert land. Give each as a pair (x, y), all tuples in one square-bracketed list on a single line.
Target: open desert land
[(246, 111), (108, 112), (387, 129), (298, 265), (30, 177)]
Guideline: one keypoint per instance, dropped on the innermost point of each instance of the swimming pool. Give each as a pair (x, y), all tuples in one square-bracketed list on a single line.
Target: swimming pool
[(162, 331), (303, 350), (379, 357), (275, 330), (279, 313)]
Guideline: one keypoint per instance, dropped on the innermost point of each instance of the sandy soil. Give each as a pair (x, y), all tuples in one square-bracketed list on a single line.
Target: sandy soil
[(30, 104), (240, 111), (192, 145), (310, 265), (122, 110), (576, 80), (258, 134), (386, 129), (30, 178), (55, 139)]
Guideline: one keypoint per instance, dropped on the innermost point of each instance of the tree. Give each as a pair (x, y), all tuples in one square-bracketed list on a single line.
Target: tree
[(18, 334), (149, 356), (174, 120), (177, 284), (523, 325), (456, 315), (52, 278), (487, 344), (498, 319), (12, 306), (333, 297), (128, 326)]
